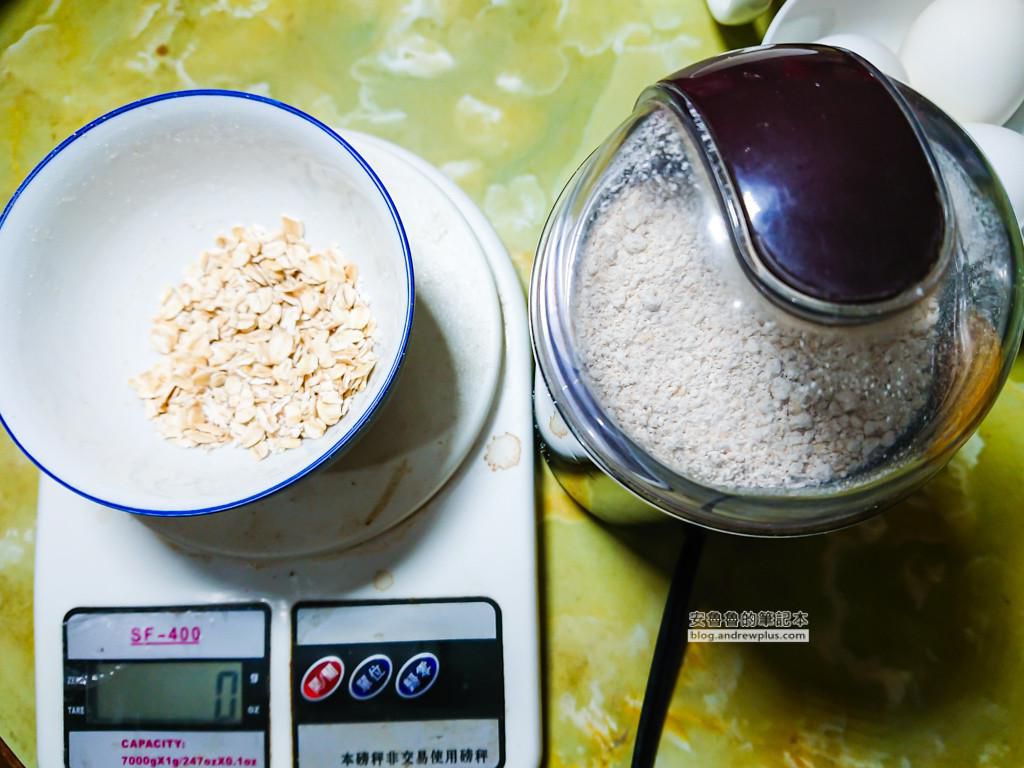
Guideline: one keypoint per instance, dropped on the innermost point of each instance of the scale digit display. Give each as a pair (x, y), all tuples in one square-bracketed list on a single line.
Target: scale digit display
[(167, 685), (155, 693)]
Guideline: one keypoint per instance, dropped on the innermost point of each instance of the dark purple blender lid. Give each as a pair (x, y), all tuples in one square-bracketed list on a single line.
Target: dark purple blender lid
[(840, 195)]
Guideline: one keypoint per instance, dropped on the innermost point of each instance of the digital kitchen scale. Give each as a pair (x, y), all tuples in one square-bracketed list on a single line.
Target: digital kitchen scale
[(328, 625)]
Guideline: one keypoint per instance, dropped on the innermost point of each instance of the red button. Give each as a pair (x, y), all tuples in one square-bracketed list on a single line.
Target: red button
[(322, 678)]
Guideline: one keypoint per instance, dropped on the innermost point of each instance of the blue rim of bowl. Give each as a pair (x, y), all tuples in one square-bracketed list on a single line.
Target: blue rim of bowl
[(367, 414)]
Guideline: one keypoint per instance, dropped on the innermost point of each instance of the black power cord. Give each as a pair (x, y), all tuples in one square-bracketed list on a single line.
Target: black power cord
[(669, 651)]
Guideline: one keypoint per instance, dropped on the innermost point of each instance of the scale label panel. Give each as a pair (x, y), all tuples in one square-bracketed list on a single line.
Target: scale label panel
[(169, 686), (398, 683)]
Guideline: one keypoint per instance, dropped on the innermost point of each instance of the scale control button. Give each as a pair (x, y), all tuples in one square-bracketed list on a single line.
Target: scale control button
[(417, 675), (370, 677), (322, 678)]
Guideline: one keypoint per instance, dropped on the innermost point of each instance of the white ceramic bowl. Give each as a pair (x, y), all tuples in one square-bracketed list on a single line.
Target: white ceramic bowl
[(887, 21), (109, 219)]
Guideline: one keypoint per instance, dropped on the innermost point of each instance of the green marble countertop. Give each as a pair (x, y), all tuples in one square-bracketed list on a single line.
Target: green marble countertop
[(917, 652)]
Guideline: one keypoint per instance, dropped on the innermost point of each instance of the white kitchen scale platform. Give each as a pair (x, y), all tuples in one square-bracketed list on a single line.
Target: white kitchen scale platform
[(326, 626)]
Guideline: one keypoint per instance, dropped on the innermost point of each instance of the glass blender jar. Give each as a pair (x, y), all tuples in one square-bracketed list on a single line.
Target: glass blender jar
[(777, 299)]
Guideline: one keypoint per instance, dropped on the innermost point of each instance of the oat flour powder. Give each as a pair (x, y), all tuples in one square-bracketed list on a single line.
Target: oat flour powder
[(706, 376)]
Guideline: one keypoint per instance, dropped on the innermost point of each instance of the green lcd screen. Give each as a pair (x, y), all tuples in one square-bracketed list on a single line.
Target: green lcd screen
[(166, 693)]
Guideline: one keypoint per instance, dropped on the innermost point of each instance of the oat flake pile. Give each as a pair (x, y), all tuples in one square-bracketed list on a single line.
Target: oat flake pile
[(266, 342)]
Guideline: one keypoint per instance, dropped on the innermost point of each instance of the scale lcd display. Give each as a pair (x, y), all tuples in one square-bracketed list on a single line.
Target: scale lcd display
[(166, 692)]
